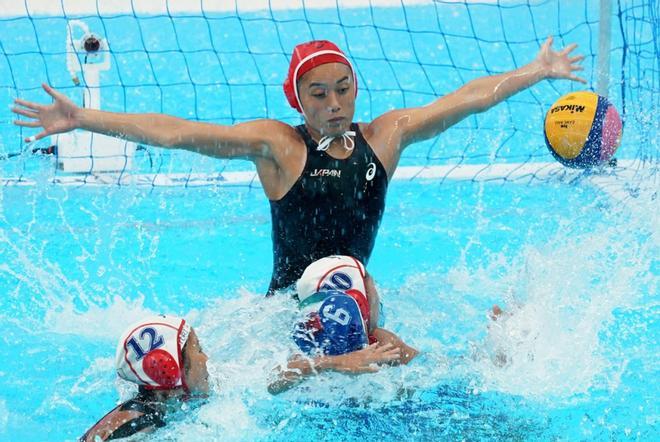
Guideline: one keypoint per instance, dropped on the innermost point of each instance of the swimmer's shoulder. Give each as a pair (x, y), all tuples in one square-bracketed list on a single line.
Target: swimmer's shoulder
[(278, 137), (386, 125), (384, 138), (270, 129), (129, 418)]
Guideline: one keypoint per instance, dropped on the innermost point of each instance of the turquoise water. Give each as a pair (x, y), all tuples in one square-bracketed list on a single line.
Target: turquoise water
[(574, 261), (78, 265)]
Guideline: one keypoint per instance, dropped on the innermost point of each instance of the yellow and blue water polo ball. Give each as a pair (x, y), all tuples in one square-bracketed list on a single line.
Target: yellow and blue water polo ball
[(582, 130)]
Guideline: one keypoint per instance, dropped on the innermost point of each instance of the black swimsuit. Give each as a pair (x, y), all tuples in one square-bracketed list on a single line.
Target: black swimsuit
[(334, 208), (153, 415)]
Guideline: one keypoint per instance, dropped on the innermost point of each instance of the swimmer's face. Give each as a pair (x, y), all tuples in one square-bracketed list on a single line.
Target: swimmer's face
[(327, 95), (194, 363)]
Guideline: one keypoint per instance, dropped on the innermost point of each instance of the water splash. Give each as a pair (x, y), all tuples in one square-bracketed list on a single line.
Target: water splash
[(115, 317), (553, 341)]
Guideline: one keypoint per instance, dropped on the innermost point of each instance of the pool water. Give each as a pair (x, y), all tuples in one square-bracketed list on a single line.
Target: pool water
[(572, 260), (580, 288)]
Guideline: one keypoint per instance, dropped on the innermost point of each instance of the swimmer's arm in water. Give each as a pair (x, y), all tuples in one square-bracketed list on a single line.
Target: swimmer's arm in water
[(250, 140), (403, 127), (117, 424), (383, 336), (386, 337), (499, 355), (300, 367)]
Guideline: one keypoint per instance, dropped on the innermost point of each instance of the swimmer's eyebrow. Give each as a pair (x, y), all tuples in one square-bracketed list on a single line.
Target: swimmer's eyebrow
[(345, 78)]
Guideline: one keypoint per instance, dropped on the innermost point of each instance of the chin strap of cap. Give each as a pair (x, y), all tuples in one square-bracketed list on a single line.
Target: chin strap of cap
[(349, 143)]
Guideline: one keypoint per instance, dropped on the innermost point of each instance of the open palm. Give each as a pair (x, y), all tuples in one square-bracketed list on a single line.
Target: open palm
[(559, 64), (58, 117)]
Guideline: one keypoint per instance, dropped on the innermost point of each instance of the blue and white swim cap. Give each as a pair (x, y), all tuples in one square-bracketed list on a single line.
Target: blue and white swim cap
[(336, 328), (149, 353)]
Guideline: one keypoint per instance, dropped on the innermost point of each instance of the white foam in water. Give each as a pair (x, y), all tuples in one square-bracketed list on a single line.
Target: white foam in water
[(551, 336), (114, 318), (246, 336), (566, 293), (94, 379), (226, 414), (55, 291)]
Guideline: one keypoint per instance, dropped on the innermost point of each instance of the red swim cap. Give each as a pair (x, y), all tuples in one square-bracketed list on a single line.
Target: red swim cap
[(307, 56), (162, 368)]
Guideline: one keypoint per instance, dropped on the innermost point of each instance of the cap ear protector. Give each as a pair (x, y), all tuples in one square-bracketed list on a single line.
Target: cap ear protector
[(307, 56), (149, 353)]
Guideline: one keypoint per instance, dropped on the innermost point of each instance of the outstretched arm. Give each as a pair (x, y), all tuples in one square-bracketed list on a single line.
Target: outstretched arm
[(247, 140), (417, 124), (357, 362)]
